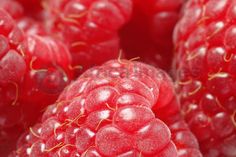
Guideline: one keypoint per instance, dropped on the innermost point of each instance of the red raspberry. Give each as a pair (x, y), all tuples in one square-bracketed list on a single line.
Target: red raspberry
[(34, 70), (30, 25), (107, 112), (149, 29), (20, 8), (205, 73), (90, 28), (149, 32)]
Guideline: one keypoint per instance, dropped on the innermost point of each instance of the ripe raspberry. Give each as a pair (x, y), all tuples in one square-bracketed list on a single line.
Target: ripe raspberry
[(107, 112), (90, 28), (32, 69), (205, 73), (149, 32), (19, 8), (30, 25)]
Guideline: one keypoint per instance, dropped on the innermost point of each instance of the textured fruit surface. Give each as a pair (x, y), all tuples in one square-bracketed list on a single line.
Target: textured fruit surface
[(29, 24), (148, 34), (34, 70), (29, 8), (32, 26), (205, 72), (13, 7), (89, 28), (108, 111)]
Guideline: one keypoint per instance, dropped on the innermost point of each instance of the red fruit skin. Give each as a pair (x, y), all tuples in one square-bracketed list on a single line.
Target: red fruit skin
[(88, 29), (18, 8), (29, 24), (13, 7), (107, 111), (205, 73), (32, 8), (148, 34), (34, 70)]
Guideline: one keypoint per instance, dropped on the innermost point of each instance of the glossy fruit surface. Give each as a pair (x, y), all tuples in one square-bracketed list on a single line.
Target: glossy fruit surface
[(90, 28), (108, 112), (205, 73), (34, 70)]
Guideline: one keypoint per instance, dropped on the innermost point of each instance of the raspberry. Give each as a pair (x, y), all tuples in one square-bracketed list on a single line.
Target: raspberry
[(90, 28), (19, 8), (205, 73), (149, 32), (32, 69), (134, 29), (30, 25), (107, 111)]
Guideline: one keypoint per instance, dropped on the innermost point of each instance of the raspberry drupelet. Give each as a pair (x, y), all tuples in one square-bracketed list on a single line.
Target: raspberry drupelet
[(34, 70), (29, 24), (108, 111), (90, 28), (205, 64)]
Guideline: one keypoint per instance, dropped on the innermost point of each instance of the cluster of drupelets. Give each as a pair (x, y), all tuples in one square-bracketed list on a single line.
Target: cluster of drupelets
[(68, 90)]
